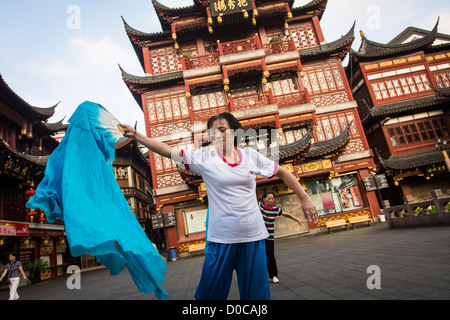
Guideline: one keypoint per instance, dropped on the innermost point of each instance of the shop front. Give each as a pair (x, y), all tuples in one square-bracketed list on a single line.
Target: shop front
[(36, 241)]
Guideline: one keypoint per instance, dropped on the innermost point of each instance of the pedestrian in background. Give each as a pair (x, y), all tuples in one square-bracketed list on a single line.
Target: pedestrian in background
[(269, 213), (12, 271)]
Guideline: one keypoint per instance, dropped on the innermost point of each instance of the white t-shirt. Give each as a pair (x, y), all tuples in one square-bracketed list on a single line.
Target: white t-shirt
[(234, 215)]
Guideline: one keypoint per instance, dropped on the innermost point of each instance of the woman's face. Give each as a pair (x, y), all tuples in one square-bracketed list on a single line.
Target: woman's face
[(221, 135), (269, 199)]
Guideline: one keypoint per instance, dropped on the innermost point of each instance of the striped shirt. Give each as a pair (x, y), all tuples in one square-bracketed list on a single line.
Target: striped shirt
[(269, 215)]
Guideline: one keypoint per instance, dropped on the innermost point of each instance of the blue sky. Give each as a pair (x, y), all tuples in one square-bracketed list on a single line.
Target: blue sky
[(69, 51)]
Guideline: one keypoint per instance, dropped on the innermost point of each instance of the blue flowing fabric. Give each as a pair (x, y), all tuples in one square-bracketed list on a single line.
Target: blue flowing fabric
[(79, 188)]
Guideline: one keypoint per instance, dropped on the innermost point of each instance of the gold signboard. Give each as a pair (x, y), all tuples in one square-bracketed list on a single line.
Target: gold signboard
[(229, 6)]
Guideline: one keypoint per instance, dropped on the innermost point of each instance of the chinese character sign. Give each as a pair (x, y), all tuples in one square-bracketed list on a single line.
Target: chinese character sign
[(13, 229), (229, 6)]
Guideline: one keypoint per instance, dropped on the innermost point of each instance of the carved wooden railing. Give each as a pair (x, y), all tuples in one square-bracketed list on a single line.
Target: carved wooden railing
[(279, 47), (291, 99), (239, 46), (200, 61), (204, 115), (252, 100)]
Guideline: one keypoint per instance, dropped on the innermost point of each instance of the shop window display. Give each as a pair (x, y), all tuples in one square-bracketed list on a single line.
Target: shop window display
[(335, 195)]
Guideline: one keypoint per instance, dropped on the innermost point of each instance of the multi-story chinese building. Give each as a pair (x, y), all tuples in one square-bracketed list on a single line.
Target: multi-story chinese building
[(267, 63), (25, 144), (402, 89)]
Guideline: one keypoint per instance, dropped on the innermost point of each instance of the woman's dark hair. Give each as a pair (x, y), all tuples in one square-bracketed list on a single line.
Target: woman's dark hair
[(234, 124), (267, 193)]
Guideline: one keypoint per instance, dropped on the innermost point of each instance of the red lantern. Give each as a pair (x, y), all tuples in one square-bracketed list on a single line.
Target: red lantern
[(30, 192), (32, 214), (42, 218)]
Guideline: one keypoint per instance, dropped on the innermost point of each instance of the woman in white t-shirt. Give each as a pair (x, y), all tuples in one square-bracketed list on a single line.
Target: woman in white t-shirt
[(236, 232)]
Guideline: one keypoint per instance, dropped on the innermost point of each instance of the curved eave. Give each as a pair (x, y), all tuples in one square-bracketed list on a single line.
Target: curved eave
[(134, 34), (175, 11), (137, 38), (40, 161), (441, 92), (165, 13), (47, 130), (23, 107), (137, 84), (339, 47), (373, 50), (296, 150), (414, 160), (330, 147), (316, 6), (409, 105), (439, 47), (148, 81), (56, 126)]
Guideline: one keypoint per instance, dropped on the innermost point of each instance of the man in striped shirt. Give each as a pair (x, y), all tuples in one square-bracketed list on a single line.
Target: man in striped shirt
[(269, 213)]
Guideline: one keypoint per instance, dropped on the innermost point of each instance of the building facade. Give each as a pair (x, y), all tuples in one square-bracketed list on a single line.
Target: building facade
[(267, 63), (402, 90), (132, 173), (25, 144)]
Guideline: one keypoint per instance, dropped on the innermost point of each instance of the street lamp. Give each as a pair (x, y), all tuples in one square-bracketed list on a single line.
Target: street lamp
[(442, 146)]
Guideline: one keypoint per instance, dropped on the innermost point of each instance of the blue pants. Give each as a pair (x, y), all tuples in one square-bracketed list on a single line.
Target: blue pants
[(249, 261)]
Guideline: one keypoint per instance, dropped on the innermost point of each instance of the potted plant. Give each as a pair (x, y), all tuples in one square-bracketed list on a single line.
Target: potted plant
[(275, 46), (275, 39), (187, 62), (35, 268)]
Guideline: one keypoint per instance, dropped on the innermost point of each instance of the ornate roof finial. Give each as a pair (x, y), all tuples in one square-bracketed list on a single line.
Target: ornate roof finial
[(362, 34)]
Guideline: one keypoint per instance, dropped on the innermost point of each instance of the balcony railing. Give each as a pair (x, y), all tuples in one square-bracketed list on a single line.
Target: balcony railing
[(291, 99), (279, 47), (204, 115), (239, 46), (200, 61), (253, 100)]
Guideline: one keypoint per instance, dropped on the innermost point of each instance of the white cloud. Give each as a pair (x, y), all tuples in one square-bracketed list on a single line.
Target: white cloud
[(88, 70), (89, 56)]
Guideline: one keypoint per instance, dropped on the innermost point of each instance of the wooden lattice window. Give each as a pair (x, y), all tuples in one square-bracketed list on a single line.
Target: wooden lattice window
[(303, 35), (442, 78), (164, 60), (418, 131), (167, 106), (167, 165), (323, 78), (404, 85), (333, 125), (282, 84), (208, 99)]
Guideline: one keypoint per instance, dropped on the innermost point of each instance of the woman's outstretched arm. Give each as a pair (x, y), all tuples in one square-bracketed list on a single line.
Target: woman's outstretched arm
[(309, 209), (152, 144)]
